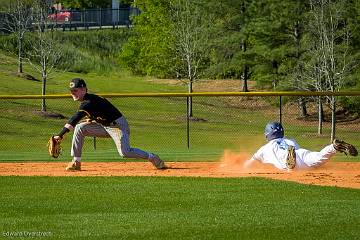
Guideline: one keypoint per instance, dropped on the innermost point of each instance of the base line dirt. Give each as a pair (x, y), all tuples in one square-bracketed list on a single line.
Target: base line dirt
[(340, 174)]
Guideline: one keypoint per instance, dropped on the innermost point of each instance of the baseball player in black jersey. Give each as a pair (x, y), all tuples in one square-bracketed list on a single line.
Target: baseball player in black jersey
[(102, 120)]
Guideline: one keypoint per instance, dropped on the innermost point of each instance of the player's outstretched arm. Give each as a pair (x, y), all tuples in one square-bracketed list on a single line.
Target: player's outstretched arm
[(248, 163)]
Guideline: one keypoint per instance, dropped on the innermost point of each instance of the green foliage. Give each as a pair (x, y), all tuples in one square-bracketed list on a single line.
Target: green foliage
[(148, 50), (268, 37), (271, 38), (167, 39), (82, 4), (126, 2), (231, 52), (351, 105)]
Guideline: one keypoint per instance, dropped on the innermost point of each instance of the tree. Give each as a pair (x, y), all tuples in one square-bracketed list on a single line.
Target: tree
[(256, 39), (126, 2), (329, 45), (82, 4), (231, 54), (46, 51), (18, 22), (148, 51), (190, 41), (298, 68), (275, 32), (291, 63)]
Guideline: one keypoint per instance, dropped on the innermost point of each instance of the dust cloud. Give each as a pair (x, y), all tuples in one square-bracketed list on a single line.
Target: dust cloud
[(234, 162), (231, 161)]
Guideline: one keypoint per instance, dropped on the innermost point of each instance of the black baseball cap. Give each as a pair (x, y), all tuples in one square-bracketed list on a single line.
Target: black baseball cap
[(77, 83)]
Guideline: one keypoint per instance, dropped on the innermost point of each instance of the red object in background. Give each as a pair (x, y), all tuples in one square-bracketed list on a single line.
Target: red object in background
[(60, 16)]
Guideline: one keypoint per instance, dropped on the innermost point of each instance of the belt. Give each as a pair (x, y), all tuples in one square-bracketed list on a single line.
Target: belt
[(113, 123)]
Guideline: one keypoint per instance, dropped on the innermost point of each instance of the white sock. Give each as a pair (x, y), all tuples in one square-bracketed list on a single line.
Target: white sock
[(77, 159)]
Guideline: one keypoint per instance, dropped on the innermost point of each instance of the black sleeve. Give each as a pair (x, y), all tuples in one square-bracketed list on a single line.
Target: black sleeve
[(63, 131), (77, 117), (73, 121)]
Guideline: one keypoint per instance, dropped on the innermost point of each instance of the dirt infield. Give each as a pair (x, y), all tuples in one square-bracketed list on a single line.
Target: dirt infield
[(340, 174)]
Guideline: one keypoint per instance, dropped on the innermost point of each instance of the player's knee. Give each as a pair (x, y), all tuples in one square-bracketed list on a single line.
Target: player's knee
[(79, 129)]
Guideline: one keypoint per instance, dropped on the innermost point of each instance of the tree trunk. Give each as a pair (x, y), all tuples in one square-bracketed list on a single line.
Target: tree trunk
[(302, 107), (44, 78), (245, 72), (320, 115), (20, 60), (190, 89), (297, 38), (245, 77), (333, 118), (275, 66)]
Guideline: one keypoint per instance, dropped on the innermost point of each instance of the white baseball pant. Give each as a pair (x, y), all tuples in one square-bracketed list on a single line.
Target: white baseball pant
[(119, 132)]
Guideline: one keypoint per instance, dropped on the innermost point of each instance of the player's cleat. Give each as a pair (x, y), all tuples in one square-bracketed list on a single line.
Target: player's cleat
[(74, 166), (156, 161), (344, 147), (291, 157)]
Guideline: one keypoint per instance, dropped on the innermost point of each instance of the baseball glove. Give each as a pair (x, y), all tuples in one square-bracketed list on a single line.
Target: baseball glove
[(54, 147)]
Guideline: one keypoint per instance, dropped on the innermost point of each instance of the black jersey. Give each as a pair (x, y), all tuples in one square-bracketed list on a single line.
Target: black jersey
[(96, 109)]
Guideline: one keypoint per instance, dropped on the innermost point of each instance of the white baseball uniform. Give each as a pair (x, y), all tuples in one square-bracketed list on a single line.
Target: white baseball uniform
[(275, 152)]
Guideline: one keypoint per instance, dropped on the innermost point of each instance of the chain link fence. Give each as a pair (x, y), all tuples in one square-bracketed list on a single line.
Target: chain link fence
[(161, 124)]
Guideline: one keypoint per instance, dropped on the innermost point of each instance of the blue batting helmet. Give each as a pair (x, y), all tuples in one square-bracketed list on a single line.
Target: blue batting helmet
[(274, 130)]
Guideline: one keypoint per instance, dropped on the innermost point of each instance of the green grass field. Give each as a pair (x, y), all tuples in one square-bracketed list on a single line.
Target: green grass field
[(176, 208), (159, 207)]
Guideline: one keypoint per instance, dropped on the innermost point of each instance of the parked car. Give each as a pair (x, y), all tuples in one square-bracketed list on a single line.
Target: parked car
[(64, 16)]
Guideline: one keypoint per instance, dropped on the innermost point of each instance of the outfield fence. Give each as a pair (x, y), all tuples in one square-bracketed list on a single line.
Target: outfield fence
[(160, 122), (85, 19), (94, 18)]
